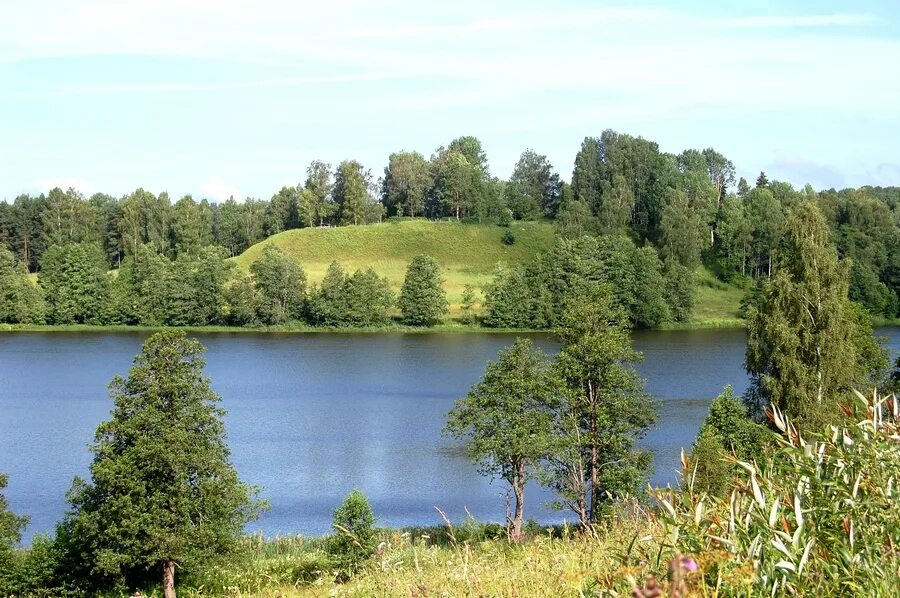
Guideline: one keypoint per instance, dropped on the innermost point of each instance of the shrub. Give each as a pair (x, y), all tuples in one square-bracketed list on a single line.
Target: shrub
[(354, 539), (508, 238), (816, 516)]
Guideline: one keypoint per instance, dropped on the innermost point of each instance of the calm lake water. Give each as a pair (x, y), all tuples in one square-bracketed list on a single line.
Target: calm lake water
[(312, 416)]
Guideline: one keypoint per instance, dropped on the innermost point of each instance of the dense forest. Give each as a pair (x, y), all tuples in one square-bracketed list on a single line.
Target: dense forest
[(650, 217)]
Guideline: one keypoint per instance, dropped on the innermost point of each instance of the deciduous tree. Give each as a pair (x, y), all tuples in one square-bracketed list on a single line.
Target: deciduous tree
[(507, 420)]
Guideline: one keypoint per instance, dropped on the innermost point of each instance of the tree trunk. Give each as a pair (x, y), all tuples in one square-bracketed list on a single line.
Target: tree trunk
[(519, 491), (169, 579)]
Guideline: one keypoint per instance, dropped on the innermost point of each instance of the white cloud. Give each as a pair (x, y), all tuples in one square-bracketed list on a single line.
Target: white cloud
[(217, 189), (832, 20)]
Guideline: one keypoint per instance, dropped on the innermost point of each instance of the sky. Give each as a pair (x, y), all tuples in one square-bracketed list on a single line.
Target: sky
[(236, 97)]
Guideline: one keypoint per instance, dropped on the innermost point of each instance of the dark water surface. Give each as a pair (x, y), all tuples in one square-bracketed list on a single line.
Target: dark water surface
[(312, 416)]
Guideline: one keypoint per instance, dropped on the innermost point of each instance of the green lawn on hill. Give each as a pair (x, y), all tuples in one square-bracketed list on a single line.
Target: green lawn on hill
[(467, 253)]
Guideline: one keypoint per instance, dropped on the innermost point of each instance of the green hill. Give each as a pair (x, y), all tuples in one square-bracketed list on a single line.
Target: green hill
[(467, 253)]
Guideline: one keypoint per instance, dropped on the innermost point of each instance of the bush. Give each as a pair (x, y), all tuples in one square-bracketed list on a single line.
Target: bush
[(354, 539), (727, 430), (505, 218), (817, 516), (508, 238)]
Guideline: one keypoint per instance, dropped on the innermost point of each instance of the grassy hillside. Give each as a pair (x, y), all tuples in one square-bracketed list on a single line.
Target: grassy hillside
[(467, 253)]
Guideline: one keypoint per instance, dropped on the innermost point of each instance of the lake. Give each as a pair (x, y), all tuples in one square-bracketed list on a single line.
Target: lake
[(312, 416)]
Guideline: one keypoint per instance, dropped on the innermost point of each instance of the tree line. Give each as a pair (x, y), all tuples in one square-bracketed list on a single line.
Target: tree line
[(688, 206), (203, 289), (571, 422)]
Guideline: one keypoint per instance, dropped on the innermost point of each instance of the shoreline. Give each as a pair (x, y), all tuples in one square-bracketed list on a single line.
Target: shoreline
[(448, 328)]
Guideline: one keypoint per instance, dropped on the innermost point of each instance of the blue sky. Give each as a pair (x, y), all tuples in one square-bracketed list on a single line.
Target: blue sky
[(220, 97)]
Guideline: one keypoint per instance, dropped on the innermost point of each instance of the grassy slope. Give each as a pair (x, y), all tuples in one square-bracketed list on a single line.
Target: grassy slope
[(467, 253)]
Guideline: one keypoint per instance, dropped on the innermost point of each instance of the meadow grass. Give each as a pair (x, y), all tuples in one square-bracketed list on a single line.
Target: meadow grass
[(433, 562), (716, 303), (467, 253)]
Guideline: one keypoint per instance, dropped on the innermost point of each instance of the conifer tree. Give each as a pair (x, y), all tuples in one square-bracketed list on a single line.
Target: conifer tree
[(162, 493), (422, 299)]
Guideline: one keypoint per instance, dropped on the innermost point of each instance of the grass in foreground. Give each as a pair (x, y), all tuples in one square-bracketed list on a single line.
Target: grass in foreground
[(425, 562)]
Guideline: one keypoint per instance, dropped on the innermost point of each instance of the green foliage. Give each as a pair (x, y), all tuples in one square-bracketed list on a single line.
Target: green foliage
[(281, 286), (727, 430), (11, 526), (867, 290), (354, 539), (406, 182), (423, 301), (75, 283), (817, 516), (351, 192), (534, 296), (506, 218), (144, 290), (574, 220), (679, 291), (363, 299), (605, 410), (807, 342), (201, 278), (162, 489), (533, 188), (512, 301), (242, 302), (508, 238), (507, 419), (21, 301), (467, 304)]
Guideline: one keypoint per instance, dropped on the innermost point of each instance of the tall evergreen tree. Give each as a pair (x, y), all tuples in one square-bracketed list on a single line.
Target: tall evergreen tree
[(423, 300), (75, 283), (162, 491)]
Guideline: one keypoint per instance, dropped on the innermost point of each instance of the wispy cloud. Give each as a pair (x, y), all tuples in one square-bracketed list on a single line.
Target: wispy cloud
[(177, 87), (798, 21)]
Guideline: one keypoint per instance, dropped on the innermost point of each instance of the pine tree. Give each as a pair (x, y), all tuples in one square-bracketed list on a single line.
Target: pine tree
[(162, 491), (422, 299)]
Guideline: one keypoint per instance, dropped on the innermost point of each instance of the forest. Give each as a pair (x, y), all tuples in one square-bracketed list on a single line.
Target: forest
[(630, 213)]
